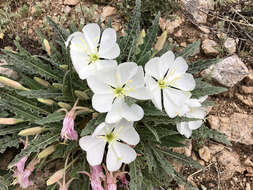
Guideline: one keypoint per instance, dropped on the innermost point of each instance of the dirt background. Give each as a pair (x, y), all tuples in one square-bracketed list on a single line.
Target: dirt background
[(186, 21)]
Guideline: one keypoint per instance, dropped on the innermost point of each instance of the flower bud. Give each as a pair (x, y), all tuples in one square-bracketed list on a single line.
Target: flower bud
[(47, 47), (46, 152), (12, 83), (46, 101), (64, 105), (10, 121), (161, 41), (57, 85), (55, 177), (1, 35), (30, 131), (64, 67), (41, 81), (141, 37), (81, 95)]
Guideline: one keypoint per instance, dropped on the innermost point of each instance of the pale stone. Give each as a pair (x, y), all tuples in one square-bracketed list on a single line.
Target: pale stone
[(230, 45), (210, 47), (228, 72), (67, 9), (204, 29), (178, 33), (186, 150), (238, 127), (183, 44), (170, 25), (108, 11), (205, 154), (198, 9), (246, 89), (71, 2), (245, 99), (248, 186)]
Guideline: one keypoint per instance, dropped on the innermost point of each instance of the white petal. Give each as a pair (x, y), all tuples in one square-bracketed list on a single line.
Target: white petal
[(178, 97), (124, 152), (157, 100), (102, 102), (137, 81), (132, 113), (183, 129), (113, 163), (152, 68), (165, 62), (171, 108), (202, 99), (193, 103), (109, 51), (102, 129), (114, 115), (78, 43), (150, 82), (94, 148), (180, 65), (184, 82), (106, 65), (109, 36), (87, 71), (140, 93), (92, 35), (195, 124), (98, 86), (129, 135), (198, 113), (108, 74), (126, 71)]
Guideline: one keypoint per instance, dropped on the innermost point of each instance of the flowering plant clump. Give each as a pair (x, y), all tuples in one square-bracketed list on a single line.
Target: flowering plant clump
[(127, 100)]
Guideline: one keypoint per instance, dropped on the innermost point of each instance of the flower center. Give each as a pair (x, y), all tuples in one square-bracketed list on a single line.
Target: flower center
[(109, 137), (119, 92), (94, 57), (162, 84)]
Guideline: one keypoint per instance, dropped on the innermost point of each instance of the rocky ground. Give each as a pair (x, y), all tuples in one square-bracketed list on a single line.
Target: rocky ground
[(225, 31)]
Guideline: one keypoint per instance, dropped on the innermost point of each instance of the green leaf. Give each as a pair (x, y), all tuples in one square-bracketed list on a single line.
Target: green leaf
[(190, 50), (51, 93), (136, 181), (51, 118), (92, 124), (204, 88), (37, 144), (200, 65), (12, 129), (154, 132), (4, 184), (8, 141)]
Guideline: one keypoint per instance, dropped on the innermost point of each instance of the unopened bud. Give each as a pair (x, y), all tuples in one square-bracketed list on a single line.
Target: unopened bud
[(41, 81), (12, 83), (30, 131), (47, 47), (55, 177), (49, 150), (1, 35), (81, 95), (57, 85), (64, 67), (141, 37), (10, 121), (161, 41), (64, 105), (46, 101)]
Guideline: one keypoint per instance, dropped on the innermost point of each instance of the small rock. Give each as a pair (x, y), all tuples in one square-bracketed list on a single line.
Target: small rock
[(249, 79), (248, 186), (204, 29), (183, 44), (30, 31), (221, 35), (67, 10), (228, 72), (178, 33), (238, 127), (230, 45), (210, 47), (231, 163), (247, 89), (248, 162), (245, 99), (205, 154), (108, 11), (215, 148), (71, 2), (198, 9), (186, 150), (170, 25)]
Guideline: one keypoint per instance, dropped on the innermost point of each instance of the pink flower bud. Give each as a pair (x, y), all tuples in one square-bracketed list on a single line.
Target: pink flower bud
[(22, 174), (68, 131), (123, 179), (97, 175)]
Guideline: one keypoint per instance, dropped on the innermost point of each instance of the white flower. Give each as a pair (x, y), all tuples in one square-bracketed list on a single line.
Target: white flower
[(113, 86), (112, 134), (89, 53), (196, 111), (167, 74)]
